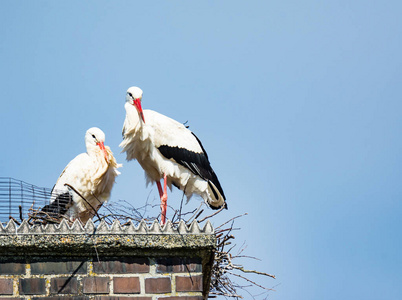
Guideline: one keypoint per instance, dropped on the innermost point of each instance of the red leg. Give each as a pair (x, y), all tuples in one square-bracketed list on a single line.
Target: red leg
[(163, 195), (159, 189)]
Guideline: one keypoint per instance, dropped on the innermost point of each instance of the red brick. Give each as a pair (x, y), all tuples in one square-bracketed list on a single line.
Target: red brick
[(121, 265), (6, 286), (126, 285), (189, 284), (181, 298), (121, 298), (178, 265), (158, 285), (32, 286), (59, 267), (59, 298), (96, 285), (67, 285), (12, 268)]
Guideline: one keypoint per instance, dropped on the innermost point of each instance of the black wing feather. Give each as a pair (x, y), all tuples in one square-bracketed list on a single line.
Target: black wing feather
[(59, 206), (197, 163)]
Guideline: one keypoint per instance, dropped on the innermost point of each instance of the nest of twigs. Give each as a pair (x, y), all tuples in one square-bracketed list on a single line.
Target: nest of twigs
[(228, 278)]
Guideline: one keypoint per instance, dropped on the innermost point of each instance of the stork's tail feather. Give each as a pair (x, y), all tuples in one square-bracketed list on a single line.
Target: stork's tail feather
[(217, 200), (59, 206)]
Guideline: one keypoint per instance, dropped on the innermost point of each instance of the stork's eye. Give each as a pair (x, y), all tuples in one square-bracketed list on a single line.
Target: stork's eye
[(131, 95), (94, 136)]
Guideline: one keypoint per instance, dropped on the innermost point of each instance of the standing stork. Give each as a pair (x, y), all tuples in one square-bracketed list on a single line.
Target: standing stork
[(86, 182), (167, 150)]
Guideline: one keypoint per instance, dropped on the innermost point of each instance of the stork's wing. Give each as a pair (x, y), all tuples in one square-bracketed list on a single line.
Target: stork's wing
[(76, 166), (197, 163), (59, 205), (169, 132), (175, 141)]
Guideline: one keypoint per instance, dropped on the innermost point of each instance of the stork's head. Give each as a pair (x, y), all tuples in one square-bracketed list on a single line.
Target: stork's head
[(95, 138), (134, 97)]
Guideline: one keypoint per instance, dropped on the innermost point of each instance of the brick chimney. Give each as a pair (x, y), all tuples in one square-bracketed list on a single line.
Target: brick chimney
[(101, 262)]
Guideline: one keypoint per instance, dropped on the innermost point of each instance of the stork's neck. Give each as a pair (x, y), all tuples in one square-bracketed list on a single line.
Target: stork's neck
[(99, 168), (94, 151), (133, 116)]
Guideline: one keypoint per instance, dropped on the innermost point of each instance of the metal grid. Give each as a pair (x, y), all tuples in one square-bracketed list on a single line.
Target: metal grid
[(17, 197)]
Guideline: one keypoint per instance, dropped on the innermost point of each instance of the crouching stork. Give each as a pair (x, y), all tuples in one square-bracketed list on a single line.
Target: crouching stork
[(86, 182)]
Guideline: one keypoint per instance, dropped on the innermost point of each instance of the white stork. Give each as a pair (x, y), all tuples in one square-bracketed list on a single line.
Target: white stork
[(91, 174), (167, 150)]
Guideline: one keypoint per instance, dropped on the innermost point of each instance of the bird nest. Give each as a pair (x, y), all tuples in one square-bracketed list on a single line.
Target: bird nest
[(228, 279)]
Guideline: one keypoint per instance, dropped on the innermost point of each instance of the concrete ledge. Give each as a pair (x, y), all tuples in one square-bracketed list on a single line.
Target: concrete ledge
[(102, 239)]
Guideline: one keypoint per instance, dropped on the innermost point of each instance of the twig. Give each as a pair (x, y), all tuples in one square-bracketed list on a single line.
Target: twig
[(15, 220), (245, 214), (215, 213), (201, 211), (95, 211), (181, 202), (226, 295), (188, 222), (20, 210), (256, 284), (247, 271)]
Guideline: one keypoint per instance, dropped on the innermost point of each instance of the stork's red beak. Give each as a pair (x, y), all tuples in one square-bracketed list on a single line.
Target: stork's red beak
[(102, 147), (137, 104)]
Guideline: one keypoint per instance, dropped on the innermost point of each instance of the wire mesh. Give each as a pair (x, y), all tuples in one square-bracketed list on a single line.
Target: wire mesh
[(18, 197), (21, 200)]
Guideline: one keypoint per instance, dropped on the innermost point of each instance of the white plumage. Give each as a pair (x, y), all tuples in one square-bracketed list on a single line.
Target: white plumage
[(91, 174), (165, 148)]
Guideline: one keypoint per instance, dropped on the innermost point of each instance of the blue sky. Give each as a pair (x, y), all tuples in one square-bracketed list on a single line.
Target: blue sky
[(297, 103)]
